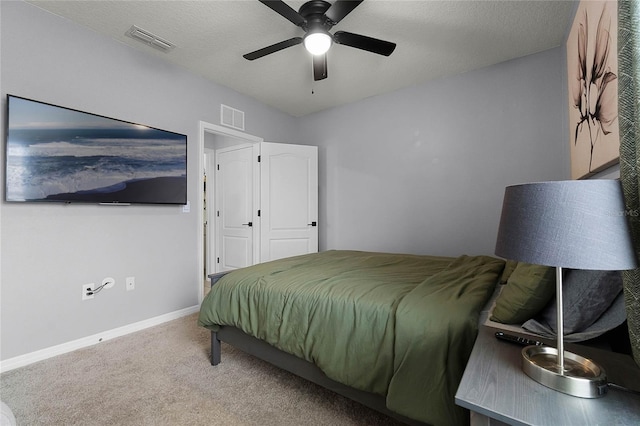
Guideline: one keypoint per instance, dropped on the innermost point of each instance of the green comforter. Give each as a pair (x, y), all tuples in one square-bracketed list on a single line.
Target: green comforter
[(401, 326)]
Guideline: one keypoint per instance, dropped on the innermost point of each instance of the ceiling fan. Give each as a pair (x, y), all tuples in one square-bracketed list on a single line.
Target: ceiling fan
[(316, 18)]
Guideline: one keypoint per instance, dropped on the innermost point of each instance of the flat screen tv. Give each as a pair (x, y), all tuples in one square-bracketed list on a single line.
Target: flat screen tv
[(59, 154)]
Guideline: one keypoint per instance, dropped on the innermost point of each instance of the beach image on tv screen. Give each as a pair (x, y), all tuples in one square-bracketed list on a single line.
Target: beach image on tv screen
[(59, 154)]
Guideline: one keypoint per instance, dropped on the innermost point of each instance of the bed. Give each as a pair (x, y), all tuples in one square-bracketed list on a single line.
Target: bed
[(391, 331)]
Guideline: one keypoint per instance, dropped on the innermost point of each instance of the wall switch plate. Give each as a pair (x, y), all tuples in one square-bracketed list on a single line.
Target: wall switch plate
[(86, 289), (130, 283)]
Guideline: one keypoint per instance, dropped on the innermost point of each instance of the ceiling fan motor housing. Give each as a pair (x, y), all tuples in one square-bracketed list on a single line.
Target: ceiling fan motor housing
[(314, 14)]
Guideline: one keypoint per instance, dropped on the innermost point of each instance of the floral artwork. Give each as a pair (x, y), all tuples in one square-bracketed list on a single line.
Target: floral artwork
[(592, 70)]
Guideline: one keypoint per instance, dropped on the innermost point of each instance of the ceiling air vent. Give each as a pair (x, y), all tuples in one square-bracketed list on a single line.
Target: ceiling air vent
[(231, 117), (150, 39)]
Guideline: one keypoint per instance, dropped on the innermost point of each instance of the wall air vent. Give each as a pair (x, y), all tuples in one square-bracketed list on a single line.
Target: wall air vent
[(231, 117), (150, 39)]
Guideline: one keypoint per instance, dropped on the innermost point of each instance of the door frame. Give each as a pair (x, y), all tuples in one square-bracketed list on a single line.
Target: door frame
[(204, 128)]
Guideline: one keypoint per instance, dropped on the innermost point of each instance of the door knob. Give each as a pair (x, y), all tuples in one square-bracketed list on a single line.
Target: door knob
[(250, 223), (313, 224)]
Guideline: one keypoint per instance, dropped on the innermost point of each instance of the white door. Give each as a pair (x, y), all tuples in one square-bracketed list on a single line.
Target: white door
[(288, 200), (234, 181)]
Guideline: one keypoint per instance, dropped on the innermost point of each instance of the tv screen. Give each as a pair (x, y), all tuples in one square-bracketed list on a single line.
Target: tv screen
[(63, 155)]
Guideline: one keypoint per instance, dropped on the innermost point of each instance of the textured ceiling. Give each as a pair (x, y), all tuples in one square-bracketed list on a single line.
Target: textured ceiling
[(434, 39)]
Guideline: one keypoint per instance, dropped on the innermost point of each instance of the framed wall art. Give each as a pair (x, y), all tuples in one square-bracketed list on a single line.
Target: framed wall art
[(592, 72)]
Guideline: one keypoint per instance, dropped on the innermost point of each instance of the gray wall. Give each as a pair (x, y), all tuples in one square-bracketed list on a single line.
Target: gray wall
[(49, 251), (423, 170)]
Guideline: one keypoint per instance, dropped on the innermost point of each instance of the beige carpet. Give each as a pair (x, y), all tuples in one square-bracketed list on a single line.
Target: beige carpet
[(162, 376)]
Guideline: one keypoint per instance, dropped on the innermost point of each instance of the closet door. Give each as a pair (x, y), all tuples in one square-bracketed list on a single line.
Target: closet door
[(288, 200)]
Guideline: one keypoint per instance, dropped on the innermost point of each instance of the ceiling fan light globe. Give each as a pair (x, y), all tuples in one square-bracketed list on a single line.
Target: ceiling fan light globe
[(317, 43)]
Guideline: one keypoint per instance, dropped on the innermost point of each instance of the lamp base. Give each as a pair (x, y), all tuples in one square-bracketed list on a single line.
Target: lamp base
[(580, 377)]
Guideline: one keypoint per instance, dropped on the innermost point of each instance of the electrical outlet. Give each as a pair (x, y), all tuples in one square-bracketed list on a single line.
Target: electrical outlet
[(130, 283), (86, 291), (108, 282)]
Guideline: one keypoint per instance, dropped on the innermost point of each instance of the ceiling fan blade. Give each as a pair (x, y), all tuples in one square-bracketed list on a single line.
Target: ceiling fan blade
[(283, 9), (340, 9), (273, 48), (359, 41), (319, 67)]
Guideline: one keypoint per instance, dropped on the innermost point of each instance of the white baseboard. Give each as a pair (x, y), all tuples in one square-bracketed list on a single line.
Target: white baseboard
[(42, 354)]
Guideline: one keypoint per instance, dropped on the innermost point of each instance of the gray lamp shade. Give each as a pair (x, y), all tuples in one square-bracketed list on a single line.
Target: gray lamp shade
[(578, 224)]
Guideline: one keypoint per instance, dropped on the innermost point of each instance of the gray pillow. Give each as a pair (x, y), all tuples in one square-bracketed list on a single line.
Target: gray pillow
[(587, 295), (612, 318)]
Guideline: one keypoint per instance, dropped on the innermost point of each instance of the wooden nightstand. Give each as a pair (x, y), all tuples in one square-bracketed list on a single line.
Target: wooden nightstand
[(497, 392)]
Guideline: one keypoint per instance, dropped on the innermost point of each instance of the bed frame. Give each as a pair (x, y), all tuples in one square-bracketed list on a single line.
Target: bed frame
[(299, 367)]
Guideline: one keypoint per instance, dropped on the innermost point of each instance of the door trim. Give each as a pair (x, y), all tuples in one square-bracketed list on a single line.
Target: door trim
[(203, 128)]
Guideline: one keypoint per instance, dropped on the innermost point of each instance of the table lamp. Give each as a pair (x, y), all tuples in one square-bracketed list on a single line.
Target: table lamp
[(578, 224)]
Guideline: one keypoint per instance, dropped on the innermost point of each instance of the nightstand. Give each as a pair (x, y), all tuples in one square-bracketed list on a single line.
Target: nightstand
[(497, 391)]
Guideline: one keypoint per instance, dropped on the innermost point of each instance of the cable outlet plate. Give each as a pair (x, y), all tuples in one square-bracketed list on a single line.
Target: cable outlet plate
[(130, 283), (108, 282), (86, 289)]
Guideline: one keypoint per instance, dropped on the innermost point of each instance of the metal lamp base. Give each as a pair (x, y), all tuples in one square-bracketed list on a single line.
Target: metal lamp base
[(580, 376)]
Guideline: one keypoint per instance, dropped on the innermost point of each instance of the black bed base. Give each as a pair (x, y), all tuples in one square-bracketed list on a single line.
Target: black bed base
[(297, 366)]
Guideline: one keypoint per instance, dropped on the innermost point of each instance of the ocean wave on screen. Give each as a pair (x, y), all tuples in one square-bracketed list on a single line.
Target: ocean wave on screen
[(147, 149), (50, 176), (42, 162)]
